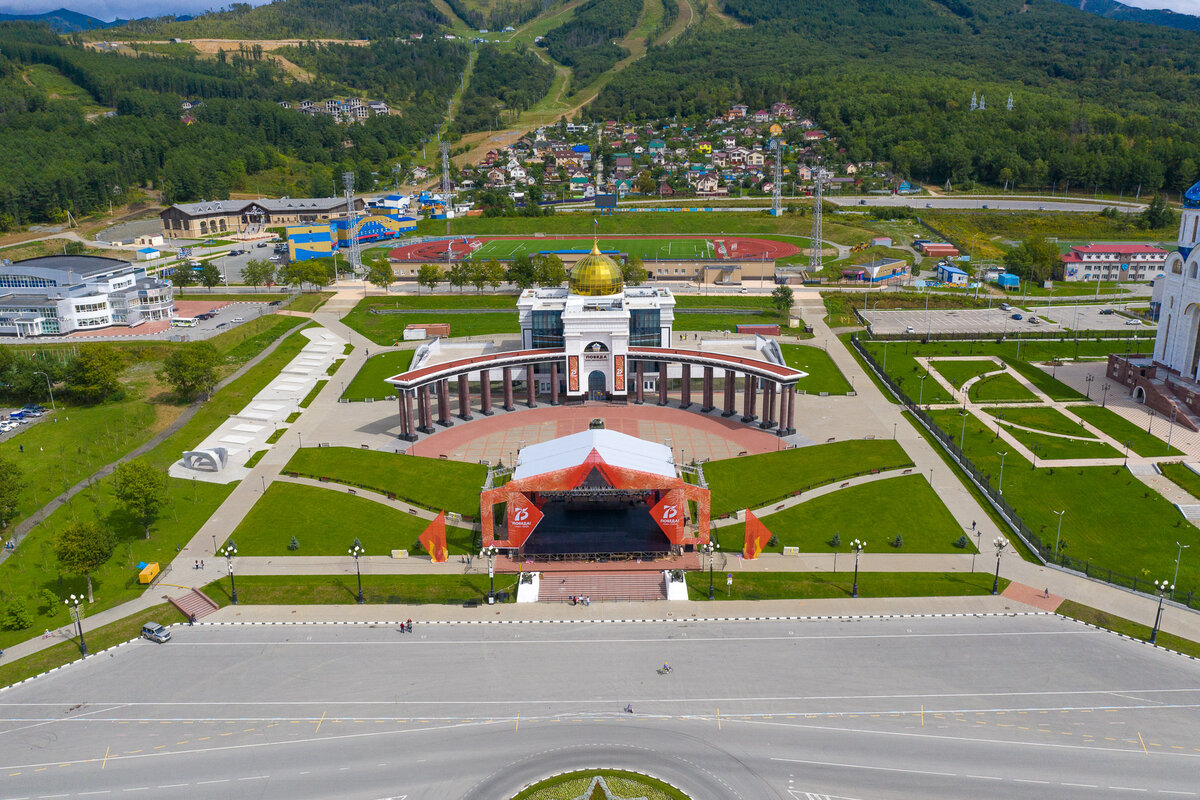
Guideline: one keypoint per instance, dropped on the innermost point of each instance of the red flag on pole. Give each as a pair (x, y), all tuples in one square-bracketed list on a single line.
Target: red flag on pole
[(757, 536), (433, 539)]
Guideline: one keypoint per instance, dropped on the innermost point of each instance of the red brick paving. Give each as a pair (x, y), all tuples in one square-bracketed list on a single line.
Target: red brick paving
[(692, 435), (1032, 597)]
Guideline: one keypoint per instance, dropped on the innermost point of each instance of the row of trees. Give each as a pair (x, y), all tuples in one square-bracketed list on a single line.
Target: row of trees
[(91, 375), (524, 272)]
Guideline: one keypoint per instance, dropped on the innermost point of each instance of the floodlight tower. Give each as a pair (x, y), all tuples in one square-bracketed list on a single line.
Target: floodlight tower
[(777, 189), (974, 101), (1009, 104), (353, 251), (445, 148), (814, 259), (982, 103)]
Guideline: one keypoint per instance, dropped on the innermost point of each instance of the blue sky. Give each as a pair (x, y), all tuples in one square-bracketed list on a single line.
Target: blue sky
[(130, 9)]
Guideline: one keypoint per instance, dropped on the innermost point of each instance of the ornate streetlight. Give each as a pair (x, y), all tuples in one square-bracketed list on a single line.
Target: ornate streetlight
[(356, 550), (857, 547), (72, 603), (1000, 488), (1162, 589), (1001, 544), (490, 553), (709, 547), (229, 551)]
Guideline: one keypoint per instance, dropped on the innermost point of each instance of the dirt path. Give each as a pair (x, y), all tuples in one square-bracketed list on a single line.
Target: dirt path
[(682, 22), (715, 11)]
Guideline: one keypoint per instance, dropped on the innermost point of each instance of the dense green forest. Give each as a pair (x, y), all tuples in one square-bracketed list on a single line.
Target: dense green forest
[(1096, 102), (396, 71), (501, 80), (586, 42), (59, 157), (292, 19), (501, 14)]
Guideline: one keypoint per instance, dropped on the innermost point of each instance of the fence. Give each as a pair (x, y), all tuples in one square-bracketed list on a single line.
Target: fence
[(982, 481)]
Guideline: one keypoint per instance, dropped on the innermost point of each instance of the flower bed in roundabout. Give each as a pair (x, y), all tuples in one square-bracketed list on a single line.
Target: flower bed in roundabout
[(600, 784)]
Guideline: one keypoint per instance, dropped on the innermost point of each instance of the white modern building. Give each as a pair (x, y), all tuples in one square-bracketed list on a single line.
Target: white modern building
[(55, 295), (594, 323), (1113, 262)]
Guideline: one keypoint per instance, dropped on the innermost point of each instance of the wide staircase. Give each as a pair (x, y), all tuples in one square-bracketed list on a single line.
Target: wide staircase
[(195, 604), (558, 587)]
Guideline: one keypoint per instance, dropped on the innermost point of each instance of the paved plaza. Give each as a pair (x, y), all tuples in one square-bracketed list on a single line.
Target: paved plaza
[(967, 321), (932, 707)]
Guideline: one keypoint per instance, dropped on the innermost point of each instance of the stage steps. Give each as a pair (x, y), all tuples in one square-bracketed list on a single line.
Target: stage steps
[(557, 587)]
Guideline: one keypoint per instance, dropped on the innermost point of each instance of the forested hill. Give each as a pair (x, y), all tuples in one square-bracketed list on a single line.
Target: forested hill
[(1096, 101), (1114, 10), (62, 20), (292, 19)]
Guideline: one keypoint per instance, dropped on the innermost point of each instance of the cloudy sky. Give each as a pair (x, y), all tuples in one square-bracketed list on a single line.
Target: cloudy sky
[(131, 9)]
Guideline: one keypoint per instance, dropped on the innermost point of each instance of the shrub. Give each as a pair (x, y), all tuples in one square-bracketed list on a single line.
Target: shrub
[(898, 541), (294, 544), (962, 542), (15, 616), (836, 541)]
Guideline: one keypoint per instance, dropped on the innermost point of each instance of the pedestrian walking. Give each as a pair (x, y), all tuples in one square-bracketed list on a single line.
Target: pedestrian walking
[(202, 563), (1047, 593), (197, 564)]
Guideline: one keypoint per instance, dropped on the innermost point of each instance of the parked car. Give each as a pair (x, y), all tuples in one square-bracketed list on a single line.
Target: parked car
[(1133, 322), (1107, 311), (155, 632), (910, 329), (1005, 306), (274, 302), (1034, 321), (239, 319), (261, 244), (1017, 316)]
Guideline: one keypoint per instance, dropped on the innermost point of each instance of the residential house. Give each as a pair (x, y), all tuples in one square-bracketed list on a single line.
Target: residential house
[(704, 147), (807, 124), (755, 158), (665, 190), (495, 177), (814, 135), (850, 169), (782, 111), (720, 158), (762, 116), (284, 104), (738, 112), (379, 107), (708, 184), (729, 140)]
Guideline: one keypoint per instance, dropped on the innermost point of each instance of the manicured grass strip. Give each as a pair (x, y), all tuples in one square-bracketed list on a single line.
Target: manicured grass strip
[(1135, 630), (333, 368), (247, 340), (621, 784), (254, 459), (1046, 383), (388, 329), (875, 512), (313, 392), (1182, 477), (438, 484), (959, 372), (721, 301), (1121, 429), (99, 639), (442, 300), (724, 321), (309, 301), (1043, 418), (292, 417), (1113, 520), (753, 481), (450, 588), (823, 374), (1000, 389), (276, 436), (326, 523), (816, 585), (1053, 448), (369, 384)]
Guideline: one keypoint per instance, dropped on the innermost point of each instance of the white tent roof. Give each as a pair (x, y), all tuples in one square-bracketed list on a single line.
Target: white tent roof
[(617, 449)]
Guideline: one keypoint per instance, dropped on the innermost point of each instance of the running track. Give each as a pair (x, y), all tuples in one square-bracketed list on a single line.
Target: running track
[(746, 248)]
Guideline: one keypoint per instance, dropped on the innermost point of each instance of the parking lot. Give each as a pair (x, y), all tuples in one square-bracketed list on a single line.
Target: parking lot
[(968, 321), (231, 266), (228, 315)]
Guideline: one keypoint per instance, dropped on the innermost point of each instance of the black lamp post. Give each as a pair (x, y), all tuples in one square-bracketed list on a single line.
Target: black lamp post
[(356, 551), (1162, 588), (490, 553), (72, 603), (229, 551), (1000, 543), (857, 547), (709, 548)]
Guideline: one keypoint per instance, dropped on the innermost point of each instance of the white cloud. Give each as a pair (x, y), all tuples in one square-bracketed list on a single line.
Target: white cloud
[(1182, 6)]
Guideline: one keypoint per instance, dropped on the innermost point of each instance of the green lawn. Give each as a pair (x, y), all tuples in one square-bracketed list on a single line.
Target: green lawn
[(1045, 381), (1000, 389), (874, 512), (959, 372), (1183, 477), (1055, 447), (249, 339), (369, 382), (752, 481), (726, 321), (327, 522), (189, 504), (1135, 630), (1121, 429), (388, 329), (1113, 520), (313, 392), (98, 639), (309, 301), (438, 484), (441, 301), (1043, 418), (738, 301), (814, 585), (823, 374), (621, 784), (343, 589)]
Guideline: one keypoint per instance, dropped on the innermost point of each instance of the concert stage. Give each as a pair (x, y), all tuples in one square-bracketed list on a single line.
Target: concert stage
[(569, 526)]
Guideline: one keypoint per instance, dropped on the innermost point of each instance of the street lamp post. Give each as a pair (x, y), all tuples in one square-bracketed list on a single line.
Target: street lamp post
[(50, 389), (1178, 556), (229, 551), (921, 397), (1088, 380), (1000, 543), (72, 604), (1150, 424), (1000, 488), (857, 547), (1058, 535), (1162, 589), (1171, 430), (709, 547), (1104, 395), (356, 551), (1127, 443), (490, 554)]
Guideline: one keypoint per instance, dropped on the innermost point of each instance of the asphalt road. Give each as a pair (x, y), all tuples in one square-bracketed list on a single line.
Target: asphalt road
[(952, 707)]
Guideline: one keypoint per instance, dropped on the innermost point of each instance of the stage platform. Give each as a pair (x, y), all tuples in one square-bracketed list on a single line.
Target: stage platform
[(687, 561), (600, 527)]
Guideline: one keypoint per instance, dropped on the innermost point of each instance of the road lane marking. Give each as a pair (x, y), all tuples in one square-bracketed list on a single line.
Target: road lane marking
[(1143, 741), (106, 752)]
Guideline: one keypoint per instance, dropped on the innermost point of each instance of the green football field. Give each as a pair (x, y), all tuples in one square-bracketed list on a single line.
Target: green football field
[(645, 249)]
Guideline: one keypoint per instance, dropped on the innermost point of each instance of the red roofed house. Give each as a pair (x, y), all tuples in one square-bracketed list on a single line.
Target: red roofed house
[(1113, 262)]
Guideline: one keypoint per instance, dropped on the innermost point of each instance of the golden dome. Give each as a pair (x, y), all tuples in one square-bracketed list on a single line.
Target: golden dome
[(596, 275)]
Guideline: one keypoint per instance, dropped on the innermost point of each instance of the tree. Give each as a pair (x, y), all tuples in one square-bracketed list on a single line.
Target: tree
[(258, 271), (478, 275), (521, 272), (632, 272), (210, 276), (429, 276), (11, 484), (460, 275), (782, 298), (549, 269), (83, 548), (1157, 215), (494, 273), (1034, 259), (93, 374), (141, 489), (183, 276), (191, 369), (15, 615), (380, 274)]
